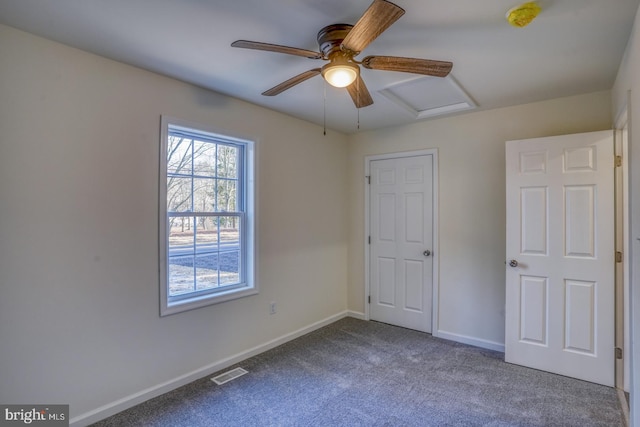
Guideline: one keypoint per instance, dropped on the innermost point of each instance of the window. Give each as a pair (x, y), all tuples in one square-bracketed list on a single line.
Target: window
[(207, 217)]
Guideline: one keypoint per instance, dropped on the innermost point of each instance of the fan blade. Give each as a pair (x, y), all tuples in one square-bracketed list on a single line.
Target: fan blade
[(291, 82), (359, 93), (408, 65), (380, 15), (246, 44)]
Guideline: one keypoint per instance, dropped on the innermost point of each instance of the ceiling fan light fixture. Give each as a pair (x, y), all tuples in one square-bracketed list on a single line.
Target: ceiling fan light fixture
[(341, 43), (340, 73)]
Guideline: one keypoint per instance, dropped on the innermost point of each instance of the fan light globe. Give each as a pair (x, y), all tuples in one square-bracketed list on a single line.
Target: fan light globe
[(340, 75)]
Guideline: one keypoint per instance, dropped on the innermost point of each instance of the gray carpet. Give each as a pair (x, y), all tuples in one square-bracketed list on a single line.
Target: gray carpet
[(357, 373)]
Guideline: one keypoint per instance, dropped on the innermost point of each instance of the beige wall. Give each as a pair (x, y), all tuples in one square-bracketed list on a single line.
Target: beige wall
[(471, 202), (627, 89), (79, 298)]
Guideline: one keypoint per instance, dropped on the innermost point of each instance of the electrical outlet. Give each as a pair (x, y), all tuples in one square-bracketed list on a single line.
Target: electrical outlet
[(272, 308)]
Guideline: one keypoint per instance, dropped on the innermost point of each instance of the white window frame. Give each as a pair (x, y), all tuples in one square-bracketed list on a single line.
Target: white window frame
[(170, 305)]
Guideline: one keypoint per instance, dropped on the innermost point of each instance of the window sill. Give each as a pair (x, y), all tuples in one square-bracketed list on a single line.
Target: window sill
[(205, 300)]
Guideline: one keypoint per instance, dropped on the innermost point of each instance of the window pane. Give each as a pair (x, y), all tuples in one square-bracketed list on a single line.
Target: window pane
[(206, 271), (204, 158), (181, 235), (230, 250), (178, 194), (207, 234), (179, 155), (229, 231), (227, 161), (227, 195), (207, 253), (181, 275), (204, 193), (229, 268), (181, 268)]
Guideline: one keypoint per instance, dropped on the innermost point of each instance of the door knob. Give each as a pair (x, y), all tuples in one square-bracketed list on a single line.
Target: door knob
[(426, 253), (513, 263)]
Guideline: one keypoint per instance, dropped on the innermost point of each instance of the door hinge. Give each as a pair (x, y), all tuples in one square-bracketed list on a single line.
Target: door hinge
[(618, 256), (369, 299), (369, 239), (618, 161), (368, 179), (618, 352)]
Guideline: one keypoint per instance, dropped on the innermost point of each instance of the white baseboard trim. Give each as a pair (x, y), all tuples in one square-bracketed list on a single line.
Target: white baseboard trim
[(159, 389), (356, 315), (477, 342)]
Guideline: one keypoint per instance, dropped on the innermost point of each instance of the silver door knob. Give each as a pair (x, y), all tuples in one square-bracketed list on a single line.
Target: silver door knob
[(513, 263), (426, 253)]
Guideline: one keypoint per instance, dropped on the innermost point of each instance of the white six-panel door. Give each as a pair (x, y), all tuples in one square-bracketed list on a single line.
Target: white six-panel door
[(401, 230), (560, 255)]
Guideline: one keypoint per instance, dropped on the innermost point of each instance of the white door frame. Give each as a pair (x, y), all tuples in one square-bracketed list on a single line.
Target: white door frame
[(623, 237), (367, 232)]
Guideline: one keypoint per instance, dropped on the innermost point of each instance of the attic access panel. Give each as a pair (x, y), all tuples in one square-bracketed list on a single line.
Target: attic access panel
[(429, 96)]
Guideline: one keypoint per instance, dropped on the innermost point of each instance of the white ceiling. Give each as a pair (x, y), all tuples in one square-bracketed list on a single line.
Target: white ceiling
[(573, 47)]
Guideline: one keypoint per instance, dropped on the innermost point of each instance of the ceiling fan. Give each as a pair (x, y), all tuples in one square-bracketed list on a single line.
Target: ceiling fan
[(341, 43)]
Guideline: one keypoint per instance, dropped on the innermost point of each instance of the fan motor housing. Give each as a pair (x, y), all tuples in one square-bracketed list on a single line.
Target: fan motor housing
[(330, 38)]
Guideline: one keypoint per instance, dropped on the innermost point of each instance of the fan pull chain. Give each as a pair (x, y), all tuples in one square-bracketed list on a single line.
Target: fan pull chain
[(324, 109), (358, 98)]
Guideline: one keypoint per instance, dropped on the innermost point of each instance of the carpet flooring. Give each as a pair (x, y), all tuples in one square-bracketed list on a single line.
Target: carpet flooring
[(358, 373)]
